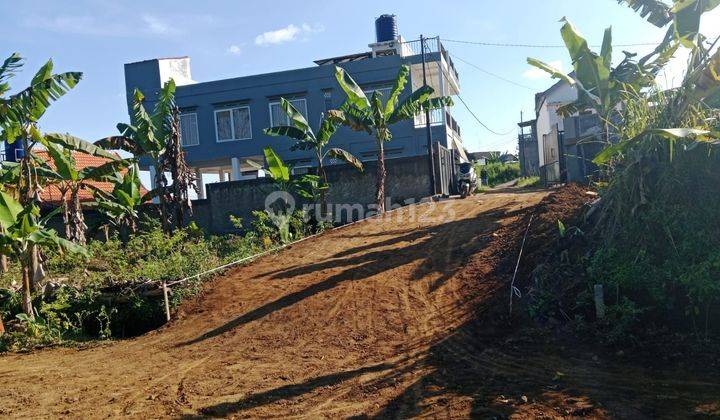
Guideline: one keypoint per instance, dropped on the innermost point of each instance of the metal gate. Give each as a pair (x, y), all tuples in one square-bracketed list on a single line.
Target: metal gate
[(443, 170)]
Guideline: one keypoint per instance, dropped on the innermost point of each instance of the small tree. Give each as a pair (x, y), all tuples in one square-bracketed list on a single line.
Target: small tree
[(370, 115), (23, 231), (306, 139), (19, 115), (304, 186), (120, 205), (70, 180), (158, 136), (181, 174)]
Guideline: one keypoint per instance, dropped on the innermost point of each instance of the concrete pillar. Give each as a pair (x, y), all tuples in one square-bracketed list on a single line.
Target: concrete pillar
[(221, 174), (236, 174), (153, 184), (199, 183)]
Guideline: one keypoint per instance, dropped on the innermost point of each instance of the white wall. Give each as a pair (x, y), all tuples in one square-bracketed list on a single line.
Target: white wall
[(177, 69), (547, 115)]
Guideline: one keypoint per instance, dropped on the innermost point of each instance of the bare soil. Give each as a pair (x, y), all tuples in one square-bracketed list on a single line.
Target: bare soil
[(404, 316)]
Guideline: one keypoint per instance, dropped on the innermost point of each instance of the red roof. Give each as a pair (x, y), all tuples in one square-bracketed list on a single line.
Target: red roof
[(51, 194)]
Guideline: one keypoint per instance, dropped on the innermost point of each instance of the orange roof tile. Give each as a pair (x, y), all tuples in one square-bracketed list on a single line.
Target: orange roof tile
[(51, 194)]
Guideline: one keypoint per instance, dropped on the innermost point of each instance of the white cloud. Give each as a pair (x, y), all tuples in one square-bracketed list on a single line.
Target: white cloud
[(312, 29), (234, 50), (82, 25), (287, 34), (535, 73), (110, 26), (157, 26)]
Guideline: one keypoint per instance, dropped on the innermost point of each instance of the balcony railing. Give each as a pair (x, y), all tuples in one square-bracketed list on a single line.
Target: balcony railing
[(436, 118), (452, 124), (432, 45)]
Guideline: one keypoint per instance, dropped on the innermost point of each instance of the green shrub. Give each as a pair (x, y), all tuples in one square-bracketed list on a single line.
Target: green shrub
[(498, 173), (528, 181), (99, 297)]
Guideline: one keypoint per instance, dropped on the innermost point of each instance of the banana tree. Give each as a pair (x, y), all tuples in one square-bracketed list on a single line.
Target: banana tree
[(158, 136), (673, 110), (22, 231), (306, 139), (120, 206), (19, 116), (20, 113), (71, 180), (305, 186), (685, 16), (600, 86), (370, 115)]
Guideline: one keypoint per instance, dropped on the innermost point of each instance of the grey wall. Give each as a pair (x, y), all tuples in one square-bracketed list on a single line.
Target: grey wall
[(528, 155), (407, 178), (580, 148)]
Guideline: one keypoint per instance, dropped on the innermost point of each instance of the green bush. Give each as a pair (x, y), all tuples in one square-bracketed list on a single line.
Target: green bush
[(282, 229), (99, 297), (498, 173), (528, 181)]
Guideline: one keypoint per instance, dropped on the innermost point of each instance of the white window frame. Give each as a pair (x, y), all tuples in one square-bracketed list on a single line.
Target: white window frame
[(271, 103), (232, 123), (197, 130)]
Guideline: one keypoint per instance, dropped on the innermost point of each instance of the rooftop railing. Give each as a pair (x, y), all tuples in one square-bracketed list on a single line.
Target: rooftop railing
[(432, 45)]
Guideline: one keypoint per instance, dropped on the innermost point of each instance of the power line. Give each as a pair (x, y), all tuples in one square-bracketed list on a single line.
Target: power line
[(480, 122), (470, 111), (500, 44), (493, 74)]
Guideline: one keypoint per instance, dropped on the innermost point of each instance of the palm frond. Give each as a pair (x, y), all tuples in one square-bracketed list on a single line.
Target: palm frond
[(8, 69), (75, 143), (346, 156), (398, 87), (656, 12)]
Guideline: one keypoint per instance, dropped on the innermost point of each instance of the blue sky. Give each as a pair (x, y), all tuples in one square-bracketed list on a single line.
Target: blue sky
[(235, 38)]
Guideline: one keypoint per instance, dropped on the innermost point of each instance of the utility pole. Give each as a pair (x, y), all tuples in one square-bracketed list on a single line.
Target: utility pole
[(521, 145), (431, 154)]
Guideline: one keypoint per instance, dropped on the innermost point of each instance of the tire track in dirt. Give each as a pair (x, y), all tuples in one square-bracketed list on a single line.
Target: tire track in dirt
[(374, 320)]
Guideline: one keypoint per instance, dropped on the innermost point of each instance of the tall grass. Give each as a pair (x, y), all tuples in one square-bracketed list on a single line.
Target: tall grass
[(497, 172), (660, 255)]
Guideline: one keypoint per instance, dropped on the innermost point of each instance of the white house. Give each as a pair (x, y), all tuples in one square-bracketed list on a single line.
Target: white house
[(549, 124)]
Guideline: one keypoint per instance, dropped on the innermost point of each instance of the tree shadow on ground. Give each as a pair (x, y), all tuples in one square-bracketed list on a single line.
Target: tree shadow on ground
[(427, 247), (288, 391), (494, 371), (487, 367), (493, 368)]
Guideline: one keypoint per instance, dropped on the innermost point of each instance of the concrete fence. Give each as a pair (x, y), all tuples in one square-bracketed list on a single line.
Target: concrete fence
[(351, 191)]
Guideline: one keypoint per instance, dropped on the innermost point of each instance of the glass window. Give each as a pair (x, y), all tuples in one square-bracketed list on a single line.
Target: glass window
[(224, 125), (278, 115), (241, 123), (189, 130), (233, 124)]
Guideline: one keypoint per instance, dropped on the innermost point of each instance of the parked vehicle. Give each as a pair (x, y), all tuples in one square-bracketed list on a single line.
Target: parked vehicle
[(467, 179)]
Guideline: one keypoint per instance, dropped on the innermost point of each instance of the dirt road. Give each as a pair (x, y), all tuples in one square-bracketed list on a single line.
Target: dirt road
[(382, 319)]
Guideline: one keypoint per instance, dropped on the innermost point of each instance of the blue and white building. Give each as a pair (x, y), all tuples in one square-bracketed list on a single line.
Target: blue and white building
[(222, 121)]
